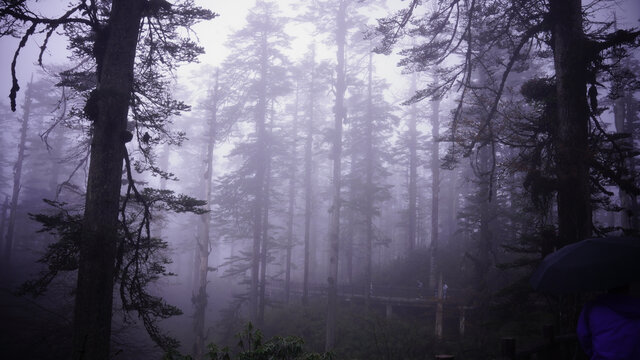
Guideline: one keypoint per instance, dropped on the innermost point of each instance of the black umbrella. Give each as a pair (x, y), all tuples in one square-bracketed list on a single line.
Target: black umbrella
[(589, 265)]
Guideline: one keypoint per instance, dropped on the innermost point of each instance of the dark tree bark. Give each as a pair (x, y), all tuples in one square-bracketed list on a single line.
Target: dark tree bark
[(574, 206), (93, 309), (336, 154), (17, 175)]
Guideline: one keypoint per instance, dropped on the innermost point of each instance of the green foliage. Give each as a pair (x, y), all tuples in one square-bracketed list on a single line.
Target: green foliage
[(361, 335), (251, 346)]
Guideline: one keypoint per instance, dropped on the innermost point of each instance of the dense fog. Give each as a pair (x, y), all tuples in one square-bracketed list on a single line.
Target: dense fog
[(358, 179)]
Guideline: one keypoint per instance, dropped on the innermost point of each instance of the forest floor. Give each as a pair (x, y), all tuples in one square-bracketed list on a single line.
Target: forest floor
[(29, 330)]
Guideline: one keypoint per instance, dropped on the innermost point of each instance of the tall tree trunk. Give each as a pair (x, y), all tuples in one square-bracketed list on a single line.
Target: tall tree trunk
[(293, 168), (621, 113), (370, 191), (264, 255), (17, 174), (413, 172), (93, 307), (435, 190), (574, 206), (486, 217), (203, 243), (334, 226), (352, 221), (308, 188), (452, 199), (260, 115)]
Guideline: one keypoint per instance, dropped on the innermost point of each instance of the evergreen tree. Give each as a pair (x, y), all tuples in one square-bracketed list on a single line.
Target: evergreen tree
[(450, 29), (260, 64), (109, 34)]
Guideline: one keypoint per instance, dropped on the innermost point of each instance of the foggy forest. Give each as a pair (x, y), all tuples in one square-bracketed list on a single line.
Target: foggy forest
[(320, 179)]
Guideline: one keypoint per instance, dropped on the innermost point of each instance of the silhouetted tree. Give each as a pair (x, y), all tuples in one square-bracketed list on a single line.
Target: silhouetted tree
[(109, 33), (450, 29)]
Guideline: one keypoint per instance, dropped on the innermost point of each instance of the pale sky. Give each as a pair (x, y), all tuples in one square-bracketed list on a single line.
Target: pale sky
[(212, 36)]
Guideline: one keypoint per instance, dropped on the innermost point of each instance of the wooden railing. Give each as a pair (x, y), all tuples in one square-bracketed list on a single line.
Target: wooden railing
[(277, 288)]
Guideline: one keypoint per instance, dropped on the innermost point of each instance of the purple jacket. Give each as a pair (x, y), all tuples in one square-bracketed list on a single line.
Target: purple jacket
[(609, 328)]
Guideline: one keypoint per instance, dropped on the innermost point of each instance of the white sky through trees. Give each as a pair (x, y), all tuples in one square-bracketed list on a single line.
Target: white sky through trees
[(213, 34)]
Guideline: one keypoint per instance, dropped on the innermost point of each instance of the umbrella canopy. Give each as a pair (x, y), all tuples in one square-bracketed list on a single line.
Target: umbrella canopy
[(589, 265)]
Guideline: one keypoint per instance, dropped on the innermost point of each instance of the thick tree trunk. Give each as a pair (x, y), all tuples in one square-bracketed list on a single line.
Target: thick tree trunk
[(17, 175), (93, 307), (435, 190), (334, 226), (203, 242), (574, 206)]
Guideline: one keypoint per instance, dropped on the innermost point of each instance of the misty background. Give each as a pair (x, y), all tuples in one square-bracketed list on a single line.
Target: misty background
[(441, 221)]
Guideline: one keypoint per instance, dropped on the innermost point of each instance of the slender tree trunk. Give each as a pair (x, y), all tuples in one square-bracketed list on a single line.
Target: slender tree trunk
[(370, 190), (292, 199), (574, 205), (435, 190), (486, 235), (203, 243), (349, 234), (259, 180), (17, 175), (93, 308), (413, 172), (452, 199), (264, 255), (334, 226), (308, 185), (620, 112)]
